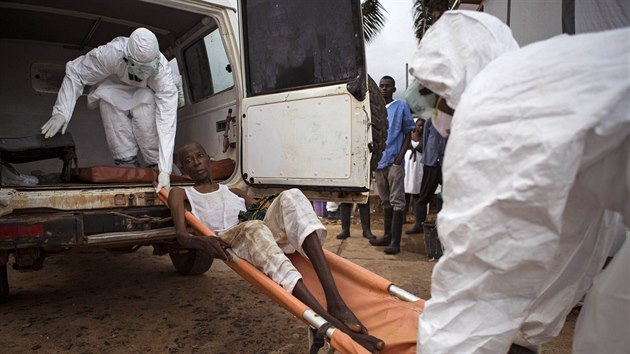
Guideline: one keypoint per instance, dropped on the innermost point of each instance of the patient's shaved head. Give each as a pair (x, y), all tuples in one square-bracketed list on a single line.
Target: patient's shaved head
[(182, 150)]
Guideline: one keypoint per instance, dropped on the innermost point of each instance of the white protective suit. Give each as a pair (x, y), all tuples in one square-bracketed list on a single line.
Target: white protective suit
[(544, 133), (151, 103)]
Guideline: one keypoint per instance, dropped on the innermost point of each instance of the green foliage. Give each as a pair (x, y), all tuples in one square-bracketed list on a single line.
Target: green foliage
[(426, 12), (373, 18)]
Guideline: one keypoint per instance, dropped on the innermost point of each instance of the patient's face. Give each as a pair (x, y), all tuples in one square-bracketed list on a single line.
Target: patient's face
[(195, 162)]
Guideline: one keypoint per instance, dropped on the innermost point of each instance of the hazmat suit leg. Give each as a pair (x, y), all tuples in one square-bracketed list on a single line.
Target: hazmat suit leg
[(145, 132), (602, 326), (118, 131)]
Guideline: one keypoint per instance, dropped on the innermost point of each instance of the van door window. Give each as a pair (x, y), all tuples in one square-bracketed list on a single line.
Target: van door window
[(314, 48), (207, 67)]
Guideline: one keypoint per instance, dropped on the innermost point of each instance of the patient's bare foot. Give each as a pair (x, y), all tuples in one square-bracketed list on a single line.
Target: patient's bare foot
[(347, 317), (354, 328), (371, 343), (340, 316)]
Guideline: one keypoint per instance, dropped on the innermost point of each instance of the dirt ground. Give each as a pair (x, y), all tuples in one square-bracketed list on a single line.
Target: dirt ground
[(99, 302)]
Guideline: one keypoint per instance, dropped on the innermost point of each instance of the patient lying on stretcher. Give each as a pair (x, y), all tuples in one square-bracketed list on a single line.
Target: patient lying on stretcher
[(289, 225)]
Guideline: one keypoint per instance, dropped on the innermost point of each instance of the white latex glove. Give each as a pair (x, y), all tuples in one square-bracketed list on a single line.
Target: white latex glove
[(164, 181), (54, 124)]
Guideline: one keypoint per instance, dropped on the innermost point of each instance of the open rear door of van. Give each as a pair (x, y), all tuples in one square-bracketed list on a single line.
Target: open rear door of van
[(306, 112)]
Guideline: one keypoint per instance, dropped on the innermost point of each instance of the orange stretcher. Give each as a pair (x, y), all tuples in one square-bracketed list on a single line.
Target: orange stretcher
[(387, 311)]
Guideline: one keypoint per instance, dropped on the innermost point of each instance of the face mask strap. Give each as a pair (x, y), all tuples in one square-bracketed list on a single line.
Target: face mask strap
[(435, 108)]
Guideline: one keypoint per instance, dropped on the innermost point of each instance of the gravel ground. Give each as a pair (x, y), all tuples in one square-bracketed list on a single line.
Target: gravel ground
[(99, 302)]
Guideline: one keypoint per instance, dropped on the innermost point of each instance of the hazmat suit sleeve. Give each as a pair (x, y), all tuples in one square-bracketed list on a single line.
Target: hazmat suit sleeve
[(166, 97), (181, 101), (536, 175), (88, 69)]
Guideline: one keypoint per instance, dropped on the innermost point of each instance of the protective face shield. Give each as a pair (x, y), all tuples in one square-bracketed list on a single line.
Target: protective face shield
[(419, 104), (442, 123), (143, 70)]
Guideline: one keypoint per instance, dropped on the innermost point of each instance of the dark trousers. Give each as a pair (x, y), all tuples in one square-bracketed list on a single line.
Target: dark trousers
[(431, 178)]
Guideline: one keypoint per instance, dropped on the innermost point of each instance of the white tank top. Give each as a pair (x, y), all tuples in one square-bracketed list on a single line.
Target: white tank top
[(217, 210)]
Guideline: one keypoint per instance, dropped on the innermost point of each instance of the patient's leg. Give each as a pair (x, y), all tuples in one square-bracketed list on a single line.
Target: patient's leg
[(296, 227), (336, 306), (369, 342), (253, 241)]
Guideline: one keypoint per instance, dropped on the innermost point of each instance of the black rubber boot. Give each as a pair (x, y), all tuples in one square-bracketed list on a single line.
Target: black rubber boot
[(364, 212), (420, 212), (4, 284), (394, 245), (345, 211), (387, 229), (407, 202)]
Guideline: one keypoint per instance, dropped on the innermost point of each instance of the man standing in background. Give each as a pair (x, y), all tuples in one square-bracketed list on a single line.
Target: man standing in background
[(434, 144), (390, 174)]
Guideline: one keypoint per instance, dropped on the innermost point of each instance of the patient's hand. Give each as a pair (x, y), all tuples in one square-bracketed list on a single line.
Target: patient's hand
[(216, 247)]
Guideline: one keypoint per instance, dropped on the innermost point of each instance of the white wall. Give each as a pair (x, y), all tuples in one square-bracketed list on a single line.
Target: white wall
[(498, 8), (530, 20)]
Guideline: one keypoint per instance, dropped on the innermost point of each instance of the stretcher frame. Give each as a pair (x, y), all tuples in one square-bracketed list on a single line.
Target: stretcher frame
[(397, 312)]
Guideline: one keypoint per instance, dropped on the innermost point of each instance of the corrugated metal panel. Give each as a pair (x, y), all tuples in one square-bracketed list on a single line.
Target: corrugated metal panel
[(11, 199)]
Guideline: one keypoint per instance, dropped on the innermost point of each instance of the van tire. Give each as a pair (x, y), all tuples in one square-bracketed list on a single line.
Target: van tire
[(378, 114), (4, 284), (192, 262)]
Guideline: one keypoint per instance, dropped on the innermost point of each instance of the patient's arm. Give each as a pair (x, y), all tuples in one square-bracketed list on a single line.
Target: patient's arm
[(214, 245)]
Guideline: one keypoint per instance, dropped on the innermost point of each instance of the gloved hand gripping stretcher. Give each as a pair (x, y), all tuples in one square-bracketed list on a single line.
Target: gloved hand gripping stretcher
[(388, 312)]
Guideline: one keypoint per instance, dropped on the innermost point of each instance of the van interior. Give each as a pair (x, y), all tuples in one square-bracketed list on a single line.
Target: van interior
[(38, 37)]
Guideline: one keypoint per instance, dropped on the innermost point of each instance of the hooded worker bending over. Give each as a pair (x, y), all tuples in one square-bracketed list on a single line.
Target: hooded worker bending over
[(536, 187), (137, 97), (290, 224)]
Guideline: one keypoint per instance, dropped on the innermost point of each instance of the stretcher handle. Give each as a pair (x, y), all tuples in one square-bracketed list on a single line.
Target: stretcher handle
[(344, 344)]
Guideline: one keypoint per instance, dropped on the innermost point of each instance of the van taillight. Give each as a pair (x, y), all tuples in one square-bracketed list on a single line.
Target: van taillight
[(14, 231)]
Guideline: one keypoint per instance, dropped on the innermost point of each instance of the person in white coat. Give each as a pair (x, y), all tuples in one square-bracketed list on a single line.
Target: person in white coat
[(413, 166), (536, 184), (137, 95)]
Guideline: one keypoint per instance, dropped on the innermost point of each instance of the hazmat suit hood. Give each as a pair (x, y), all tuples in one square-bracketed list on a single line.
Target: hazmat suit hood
[(456, 48), (143, 45)]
